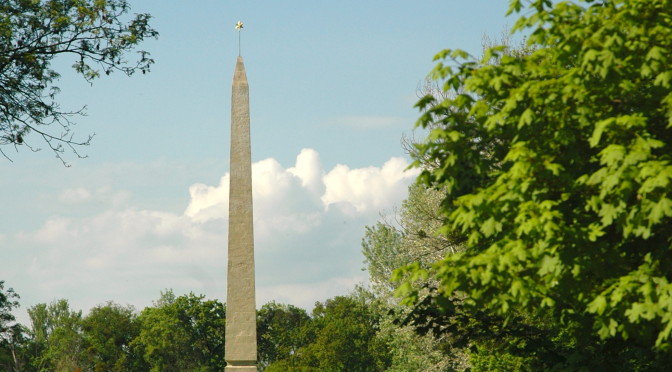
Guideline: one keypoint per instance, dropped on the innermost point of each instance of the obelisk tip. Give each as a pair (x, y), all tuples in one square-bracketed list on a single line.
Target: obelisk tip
[(239, 75)]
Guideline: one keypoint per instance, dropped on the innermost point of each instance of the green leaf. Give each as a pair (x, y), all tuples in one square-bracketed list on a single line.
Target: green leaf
[(490, 227), (664, 79), (525, 118), (599, 129), (661, 209), (550, 265), (598, 305)]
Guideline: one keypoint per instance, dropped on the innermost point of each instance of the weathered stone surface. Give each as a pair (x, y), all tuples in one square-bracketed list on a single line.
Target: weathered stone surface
[(241, 368), (241, 331)]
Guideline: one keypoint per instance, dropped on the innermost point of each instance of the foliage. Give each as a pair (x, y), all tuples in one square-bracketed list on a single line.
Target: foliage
[(56, 337), (411, 351), (387, 246), (413, 238), (8, 301), (280, 335), (342, 333), (14, 350), (11, 334), (108, 331), (381, 246), (184, 333), (95, 33), (557, 171)]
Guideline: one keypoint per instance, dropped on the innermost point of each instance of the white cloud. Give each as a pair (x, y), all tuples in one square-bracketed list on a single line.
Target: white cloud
[(309, 169), (368, 189), (278, 190), (308, 228), (126, 255), (209, 202)]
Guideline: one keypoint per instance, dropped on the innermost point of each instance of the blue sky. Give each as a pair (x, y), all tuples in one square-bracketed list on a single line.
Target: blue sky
[(332, 88)]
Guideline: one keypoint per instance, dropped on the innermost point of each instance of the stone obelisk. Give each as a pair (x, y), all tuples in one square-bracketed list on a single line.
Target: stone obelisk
[(241, 327)]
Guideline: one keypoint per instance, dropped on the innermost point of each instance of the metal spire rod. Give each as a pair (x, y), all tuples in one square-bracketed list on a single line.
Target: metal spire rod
[(239, 26)]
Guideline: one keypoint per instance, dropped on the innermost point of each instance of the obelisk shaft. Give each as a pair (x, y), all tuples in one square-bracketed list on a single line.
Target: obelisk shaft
[(241, 329)]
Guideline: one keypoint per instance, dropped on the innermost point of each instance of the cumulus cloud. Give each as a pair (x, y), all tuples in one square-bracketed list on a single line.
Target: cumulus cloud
[(307, 187), (309, 169), (308, 227), (367, 189), (209, 202)]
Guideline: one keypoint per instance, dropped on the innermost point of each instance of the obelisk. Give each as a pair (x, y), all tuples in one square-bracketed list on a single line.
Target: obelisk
[(241, 327)]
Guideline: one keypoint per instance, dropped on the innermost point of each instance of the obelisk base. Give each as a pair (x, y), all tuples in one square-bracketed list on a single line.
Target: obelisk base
[(241, 367)]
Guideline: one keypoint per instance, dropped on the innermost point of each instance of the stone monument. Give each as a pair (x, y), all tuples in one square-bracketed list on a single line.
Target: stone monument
[(241, 326)]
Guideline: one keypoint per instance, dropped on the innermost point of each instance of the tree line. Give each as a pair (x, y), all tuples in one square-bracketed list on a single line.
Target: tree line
[(187, 333)]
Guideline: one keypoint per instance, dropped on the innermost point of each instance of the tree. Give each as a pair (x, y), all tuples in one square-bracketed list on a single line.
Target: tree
[(381, 247), (12, 335), (410, 351), (280, 334), (108, 331), (184, 333), (557, 168), (413, 237), (8, 301), (56, 337), (32, 34), (423, 338), (342, 333)]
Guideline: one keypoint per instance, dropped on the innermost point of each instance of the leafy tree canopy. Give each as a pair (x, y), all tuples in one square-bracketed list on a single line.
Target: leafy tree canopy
[(281, 332), (96, 33), (558, 170), (108, 331), (56, 338), (8, 301), (10, 334), (184, 333), (342, 333)]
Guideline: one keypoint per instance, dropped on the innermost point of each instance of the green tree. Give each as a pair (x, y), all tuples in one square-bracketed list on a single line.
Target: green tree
[(56, 337), (14, 349), (557, 170), (342, 332), (12, 335), (382, 246), (429, 340), (184, 333), (8, 302), (412, 238), (280, 335), (108, 331), (97, 34), (410, 351)]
